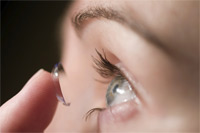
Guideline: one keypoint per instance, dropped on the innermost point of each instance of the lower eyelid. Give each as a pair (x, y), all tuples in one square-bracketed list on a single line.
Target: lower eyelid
[(119, 113)]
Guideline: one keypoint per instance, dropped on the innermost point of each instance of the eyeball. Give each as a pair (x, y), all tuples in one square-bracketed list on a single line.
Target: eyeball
[(57, 71), (119, 90)]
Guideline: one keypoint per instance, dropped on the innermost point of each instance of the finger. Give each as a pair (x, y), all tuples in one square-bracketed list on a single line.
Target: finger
[(32, 108)]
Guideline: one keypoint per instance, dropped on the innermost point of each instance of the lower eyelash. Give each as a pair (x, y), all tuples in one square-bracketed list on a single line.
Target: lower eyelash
[(88, 114)]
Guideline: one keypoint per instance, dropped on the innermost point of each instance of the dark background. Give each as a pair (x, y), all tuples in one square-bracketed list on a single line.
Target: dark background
[(28, 41)]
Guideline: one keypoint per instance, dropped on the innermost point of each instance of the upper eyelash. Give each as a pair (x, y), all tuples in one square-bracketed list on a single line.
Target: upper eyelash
[(104, 67)]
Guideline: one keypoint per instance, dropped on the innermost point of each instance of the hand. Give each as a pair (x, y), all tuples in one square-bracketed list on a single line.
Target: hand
[(32, 109)]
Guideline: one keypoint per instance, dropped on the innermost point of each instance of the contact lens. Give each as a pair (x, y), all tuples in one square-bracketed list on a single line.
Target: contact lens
[(119, 91), (57, 71)]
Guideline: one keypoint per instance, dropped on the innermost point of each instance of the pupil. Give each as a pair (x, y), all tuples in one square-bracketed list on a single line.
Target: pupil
[(115, 88)]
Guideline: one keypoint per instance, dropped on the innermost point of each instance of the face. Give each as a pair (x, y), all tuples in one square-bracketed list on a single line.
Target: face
[(137, 61)]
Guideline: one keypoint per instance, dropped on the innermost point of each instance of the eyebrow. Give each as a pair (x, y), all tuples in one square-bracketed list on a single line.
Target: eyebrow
[(111, 14), (95, 12)]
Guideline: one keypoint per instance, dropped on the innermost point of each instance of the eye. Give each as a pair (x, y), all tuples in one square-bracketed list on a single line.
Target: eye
[(119, 90)]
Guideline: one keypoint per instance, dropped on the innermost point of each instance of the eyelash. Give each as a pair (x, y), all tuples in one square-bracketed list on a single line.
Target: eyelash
[(106, 70), (104, 67)]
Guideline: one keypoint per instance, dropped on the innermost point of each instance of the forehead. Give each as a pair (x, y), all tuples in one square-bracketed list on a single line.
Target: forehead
[(170, 21)]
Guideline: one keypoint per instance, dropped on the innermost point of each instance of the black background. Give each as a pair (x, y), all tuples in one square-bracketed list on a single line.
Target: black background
[(28, 41)]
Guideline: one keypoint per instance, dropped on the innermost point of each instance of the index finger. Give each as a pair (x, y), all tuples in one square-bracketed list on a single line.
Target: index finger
[(32, 109)]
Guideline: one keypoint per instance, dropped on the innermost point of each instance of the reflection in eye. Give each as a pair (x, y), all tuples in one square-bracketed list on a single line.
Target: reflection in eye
[(119, 91)]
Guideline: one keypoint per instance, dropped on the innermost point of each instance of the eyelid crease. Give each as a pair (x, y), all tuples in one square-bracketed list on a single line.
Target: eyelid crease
[(103, 82)]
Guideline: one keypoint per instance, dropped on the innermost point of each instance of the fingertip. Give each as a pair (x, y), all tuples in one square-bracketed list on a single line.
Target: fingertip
[(34, 105)]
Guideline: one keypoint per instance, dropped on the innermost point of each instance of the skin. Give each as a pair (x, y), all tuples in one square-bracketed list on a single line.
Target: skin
[(32, 109), (165, 75)]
